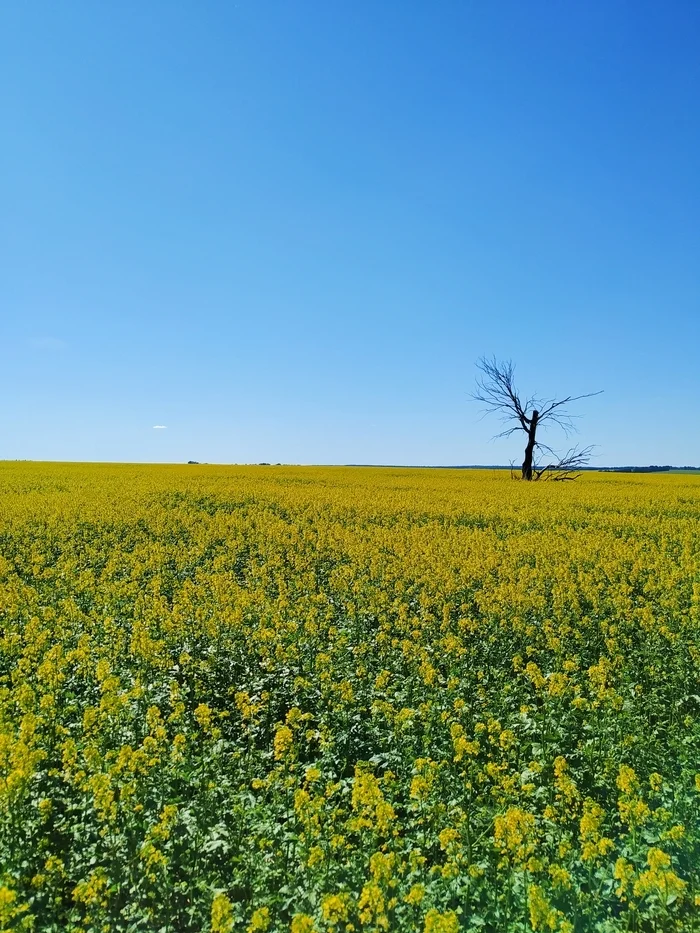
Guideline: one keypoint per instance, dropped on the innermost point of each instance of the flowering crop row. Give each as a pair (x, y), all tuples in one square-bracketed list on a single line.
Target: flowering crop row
[(300, 699)]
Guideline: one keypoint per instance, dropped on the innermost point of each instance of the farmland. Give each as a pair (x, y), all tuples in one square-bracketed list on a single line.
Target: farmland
[(334, 699)]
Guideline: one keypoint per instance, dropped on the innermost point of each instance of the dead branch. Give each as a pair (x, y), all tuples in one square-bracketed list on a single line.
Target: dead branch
[(569, 466)]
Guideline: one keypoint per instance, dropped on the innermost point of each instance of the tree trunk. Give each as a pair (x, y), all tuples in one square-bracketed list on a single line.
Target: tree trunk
[(530, 449)]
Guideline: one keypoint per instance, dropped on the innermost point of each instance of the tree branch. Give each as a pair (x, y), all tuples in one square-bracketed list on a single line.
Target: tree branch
[(496, 391), (568, 466)]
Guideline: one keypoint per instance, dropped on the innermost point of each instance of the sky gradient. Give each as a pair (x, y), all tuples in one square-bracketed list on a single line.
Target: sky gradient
[(286, 231)]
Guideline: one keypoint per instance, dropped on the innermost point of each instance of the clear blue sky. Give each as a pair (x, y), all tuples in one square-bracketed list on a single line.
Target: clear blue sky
[(287, 230)]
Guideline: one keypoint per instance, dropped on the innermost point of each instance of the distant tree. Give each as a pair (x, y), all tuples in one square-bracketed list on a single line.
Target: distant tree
[(495, 389)]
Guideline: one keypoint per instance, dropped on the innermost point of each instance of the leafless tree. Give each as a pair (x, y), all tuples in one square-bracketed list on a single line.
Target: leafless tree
[(495, 389)]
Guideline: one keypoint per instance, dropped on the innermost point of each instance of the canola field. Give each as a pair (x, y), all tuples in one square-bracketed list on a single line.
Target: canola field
[(336, 700)]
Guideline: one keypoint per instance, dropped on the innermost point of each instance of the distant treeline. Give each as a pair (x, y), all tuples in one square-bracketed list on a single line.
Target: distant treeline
[(644, 469), (500, 466)]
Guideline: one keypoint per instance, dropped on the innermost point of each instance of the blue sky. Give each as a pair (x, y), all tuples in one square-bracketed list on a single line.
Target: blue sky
[(287, 230)]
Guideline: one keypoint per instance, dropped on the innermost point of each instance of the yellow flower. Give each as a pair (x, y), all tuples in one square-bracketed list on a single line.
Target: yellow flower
[(334, 908), (633, 811), (260, 921), (567, 792), (381, 866), (163, 828), (655, 781), (543, 916), (623, 873), (463, 746), (316, 856), (382, 680), (373, 811), (535, 675), (560, 876), (203, 715), (372, 906), (557, 684), (415, 895), (294, 717), (302, 923), (447, 837), (675, 833), (221, 914), (593, 844), (435, 922), (45, 806), (54, 865), (627, 780), (92, 892), (11, 911), (284, 739), (659, 879), (514, 833)]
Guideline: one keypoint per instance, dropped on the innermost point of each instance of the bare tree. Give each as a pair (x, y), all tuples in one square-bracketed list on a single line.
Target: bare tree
[(495, 389)]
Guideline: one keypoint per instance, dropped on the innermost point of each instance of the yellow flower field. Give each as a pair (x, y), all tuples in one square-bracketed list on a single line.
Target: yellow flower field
[(335, 699)]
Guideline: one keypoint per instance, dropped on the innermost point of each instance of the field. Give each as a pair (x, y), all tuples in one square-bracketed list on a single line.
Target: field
[(305, 699)]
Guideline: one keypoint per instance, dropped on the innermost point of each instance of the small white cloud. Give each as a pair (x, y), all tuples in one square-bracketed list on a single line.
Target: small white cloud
[(159, 427)]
